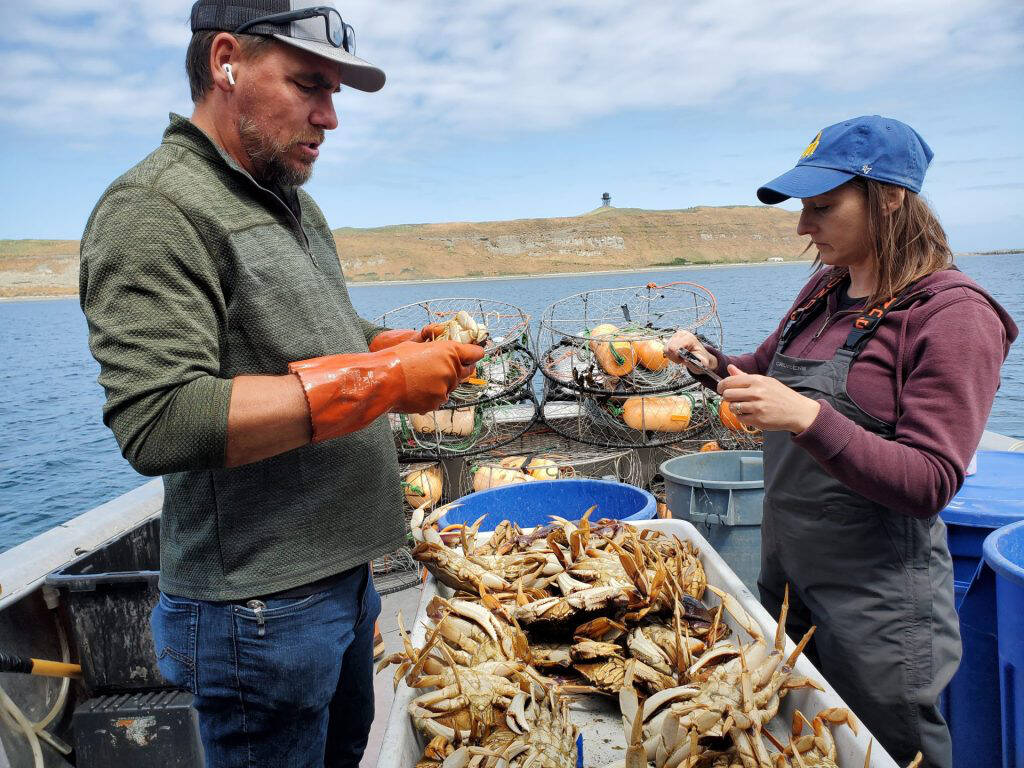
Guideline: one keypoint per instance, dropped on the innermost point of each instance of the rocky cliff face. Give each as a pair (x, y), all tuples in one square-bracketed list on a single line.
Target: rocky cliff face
[(608, 238), (38, 268)]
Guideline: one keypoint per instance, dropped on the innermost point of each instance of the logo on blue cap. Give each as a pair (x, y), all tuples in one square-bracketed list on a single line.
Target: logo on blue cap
[(811, 147), (875, 147)]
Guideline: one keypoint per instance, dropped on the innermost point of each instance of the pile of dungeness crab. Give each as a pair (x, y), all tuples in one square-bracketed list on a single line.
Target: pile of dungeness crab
[(574, 608)]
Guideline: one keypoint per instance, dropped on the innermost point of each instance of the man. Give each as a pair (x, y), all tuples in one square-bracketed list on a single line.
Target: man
[(235, 366)]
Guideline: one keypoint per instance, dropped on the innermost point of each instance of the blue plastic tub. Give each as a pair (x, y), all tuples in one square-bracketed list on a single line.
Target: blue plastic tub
[(990, 499), (1004, 553), (531, 504)]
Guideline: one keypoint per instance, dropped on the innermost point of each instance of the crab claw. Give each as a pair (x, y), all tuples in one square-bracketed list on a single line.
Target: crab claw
[(791, 661), (780, 629), (840, 716), (421, 525), (416, 521), (601, 628), (744, 619), (636, 753), (516, 715), (458, 759)]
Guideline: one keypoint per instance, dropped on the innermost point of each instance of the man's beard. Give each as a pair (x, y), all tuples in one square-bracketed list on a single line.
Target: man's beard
[(271, 166)]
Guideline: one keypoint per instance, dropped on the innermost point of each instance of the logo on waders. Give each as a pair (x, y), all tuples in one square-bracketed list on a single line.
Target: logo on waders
[(788, 366)]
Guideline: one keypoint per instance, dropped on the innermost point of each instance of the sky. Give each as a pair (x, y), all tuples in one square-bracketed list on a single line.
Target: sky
[(506, 109)]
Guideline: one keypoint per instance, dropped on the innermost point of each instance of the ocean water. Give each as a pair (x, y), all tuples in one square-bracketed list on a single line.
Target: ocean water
[(57, 459)]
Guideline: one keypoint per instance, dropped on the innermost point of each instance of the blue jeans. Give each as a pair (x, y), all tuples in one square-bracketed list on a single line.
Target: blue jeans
[(289, 685)]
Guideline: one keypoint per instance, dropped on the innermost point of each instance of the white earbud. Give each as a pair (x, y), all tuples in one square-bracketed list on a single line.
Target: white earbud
[(227, 71)]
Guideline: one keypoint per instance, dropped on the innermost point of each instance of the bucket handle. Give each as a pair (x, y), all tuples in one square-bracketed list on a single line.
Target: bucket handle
[(705, 518)]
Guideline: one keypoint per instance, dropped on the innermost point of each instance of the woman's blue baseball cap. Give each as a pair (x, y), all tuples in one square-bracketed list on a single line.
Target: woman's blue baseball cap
[(874, 147)]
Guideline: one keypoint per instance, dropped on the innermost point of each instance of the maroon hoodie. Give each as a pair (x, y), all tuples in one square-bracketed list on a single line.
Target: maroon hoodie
[(932, 369)]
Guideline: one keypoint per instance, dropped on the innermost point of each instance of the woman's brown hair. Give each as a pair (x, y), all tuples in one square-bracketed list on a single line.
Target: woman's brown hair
[(908, 242)]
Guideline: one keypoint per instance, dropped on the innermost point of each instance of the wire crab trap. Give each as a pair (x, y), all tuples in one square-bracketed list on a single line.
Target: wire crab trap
[(613, 340), (722, 432), (395, 572), (422, 483), (633, 421), (501, 329), (498, 373), (728, 431), (465, 430), (543, 454)]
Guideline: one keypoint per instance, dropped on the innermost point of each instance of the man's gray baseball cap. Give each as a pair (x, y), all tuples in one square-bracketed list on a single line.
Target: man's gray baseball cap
[(314, 27)]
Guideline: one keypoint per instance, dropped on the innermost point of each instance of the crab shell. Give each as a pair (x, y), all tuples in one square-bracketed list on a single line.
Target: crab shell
[(565, 613), (457, 571), (610, 674), (466, 701), (464, 329), (539, 734), (475, 634)]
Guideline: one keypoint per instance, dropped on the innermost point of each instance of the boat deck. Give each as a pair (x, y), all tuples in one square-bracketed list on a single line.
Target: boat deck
[(405, 603), (26, 627)]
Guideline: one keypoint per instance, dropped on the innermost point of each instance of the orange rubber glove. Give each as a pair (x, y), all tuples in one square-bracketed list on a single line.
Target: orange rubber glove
[(347, 392), (391, 337)]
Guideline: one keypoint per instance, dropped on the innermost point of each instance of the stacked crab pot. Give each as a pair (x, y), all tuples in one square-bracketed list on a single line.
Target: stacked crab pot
[(490, 408), (604, 352)]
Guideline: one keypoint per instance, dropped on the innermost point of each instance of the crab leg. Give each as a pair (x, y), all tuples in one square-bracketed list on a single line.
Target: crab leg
[(742, 618)]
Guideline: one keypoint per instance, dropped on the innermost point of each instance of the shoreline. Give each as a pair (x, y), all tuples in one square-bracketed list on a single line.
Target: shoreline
[(590, 273), (38, 298), (485, 278)]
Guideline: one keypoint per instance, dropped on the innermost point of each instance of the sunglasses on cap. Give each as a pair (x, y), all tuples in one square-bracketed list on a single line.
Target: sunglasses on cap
[(339, 34)]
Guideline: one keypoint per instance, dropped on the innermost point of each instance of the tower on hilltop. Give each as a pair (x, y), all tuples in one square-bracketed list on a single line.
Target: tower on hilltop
[(606, 200)]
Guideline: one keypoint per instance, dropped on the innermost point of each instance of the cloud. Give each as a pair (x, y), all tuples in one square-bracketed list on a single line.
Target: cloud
[(106, 67)]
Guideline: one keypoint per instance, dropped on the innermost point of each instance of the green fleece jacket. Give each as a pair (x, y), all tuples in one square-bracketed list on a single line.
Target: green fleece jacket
[(192, 274)]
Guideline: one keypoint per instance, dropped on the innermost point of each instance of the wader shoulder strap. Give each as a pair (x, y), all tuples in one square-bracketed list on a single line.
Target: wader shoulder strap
[(866, 324), (807, 311)]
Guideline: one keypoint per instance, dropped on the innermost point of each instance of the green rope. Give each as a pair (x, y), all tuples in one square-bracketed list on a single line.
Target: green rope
[(615, 353)]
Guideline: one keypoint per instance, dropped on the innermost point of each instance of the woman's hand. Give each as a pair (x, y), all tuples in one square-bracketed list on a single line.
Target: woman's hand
[(684, 341), (766, 403)]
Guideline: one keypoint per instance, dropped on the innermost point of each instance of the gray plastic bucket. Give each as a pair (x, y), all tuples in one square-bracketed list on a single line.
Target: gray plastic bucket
[(721, 493)]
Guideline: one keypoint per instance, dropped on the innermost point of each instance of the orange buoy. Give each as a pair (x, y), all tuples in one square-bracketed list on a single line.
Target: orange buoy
[(423, 486), (615, 354), (659, 414), (651, 354), (730, 421), (492, 476)]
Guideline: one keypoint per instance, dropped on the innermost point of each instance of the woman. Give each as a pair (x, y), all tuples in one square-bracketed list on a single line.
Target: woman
[(873, 393)]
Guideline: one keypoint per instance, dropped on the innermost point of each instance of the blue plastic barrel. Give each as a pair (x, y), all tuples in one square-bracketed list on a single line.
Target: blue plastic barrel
[(1004, 553), (531, 504), (989, 499)]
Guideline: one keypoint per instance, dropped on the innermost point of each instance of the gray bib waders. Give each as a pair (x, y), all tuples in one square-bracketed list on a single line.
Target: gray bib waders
[(878, 584)]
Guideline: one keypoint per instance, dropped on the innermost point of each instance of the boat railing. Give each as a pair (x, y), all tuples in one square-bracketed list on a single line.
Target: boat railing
[(24, 567)]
